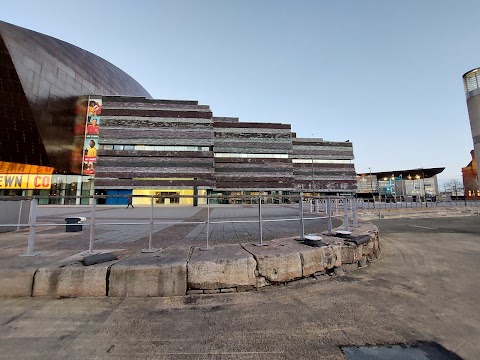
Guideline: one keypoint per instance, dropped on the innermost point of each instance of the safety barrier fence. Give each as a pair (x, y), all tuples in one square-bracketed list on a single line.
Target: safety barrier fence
[(318, 207), (365, 204)]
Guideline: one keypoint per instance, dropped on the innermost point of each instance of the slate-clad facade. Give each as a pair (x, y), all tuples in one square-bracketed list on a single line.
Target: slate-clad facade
[(323, 166), (253, 156), (170, 144), (176, 145)]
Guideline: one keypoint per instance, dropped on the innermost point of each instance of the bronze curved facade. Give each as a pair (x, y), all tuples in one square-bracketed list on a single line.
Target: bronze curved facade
[(42, 81)]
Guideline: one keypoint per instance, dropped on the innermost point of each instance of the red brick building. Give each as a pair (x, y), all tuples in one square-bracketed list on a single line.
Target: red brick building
[(470, 179)]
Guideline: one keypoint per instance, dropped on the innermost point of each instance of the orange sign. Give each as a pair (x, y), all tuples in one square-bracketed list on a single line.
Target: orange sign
[(16, 168), (25, 181)]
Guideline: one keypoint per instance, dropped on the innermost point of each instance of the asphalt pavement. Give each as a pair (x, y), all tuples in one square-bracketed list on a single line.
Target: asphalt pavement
[(425, 287)]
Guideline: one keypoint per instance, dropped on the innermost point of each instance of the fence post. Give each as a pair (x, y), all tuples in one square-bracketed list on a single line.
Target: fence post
[(31, 234), (345, 214), (207, 248), (150, 249), (260, 225), (354, 212), (329, 216), (302, 223), (92, 225), (19, 215)]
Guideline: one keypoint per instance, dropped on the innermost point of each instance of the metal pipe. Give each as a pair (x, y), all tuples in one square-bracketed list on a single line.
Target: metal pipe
[(345, 214)]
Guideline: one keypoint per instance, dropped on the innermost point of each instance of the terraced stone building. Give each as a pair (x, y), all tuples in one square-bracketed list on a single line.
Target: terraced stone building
[(89, 128)]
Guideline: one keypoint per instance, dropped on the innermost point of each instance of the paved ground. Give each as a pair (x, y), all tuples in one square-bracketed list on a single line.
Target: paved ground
[(186, 226), (424, 287)]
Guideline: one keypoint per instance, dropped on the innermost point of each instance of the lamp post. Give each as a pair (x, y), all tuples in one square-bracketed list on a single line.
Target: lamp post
[(313, 180), (424, 191), (371, 186)]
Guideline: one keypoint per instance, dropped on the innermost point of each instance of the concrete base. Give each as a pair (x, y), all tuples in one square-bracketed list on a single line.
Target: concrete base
[(163, 273), (69, 278), (17, 272), (177, 271), (226, 266)]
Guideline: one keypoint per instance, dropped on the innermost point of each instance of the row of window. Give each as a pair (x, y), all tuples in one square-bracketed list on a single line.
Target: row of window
[(217, 155), (154, 147)]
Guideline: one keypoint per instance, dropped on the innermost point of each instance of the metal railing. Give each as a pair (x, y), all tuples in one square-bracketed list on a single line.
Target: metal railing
[(321, 207)]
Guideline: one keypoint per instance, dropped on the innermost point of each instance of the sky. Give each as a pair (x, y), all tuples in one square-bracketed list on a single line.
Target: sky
[(385, 75)]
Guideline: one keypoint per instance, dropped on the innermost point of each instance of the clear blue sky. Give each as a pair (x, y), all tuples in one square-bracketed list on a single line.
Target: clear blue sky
[(386, 75)]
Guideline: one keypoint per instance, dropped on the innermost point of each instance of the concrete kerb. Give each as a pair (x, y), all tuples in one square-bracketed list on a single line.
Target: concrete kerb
[(179, 271), (224, 267), (159, 274), (69, 278), (17, 273)]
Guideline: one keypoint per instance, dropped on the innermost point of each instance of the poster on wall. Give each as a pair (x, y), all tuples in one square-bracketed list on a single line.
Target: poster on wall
[(92, 132), (93, 125)]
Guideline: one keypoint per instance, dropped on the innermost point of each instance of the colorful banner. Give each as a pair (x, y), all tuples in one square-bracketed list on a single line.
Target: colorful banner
[(25, 181), (92, 131)]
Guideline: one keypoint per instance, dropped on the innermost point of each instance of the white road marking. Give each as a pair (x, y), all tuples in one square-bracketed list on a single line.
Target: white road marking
[(422, 227)]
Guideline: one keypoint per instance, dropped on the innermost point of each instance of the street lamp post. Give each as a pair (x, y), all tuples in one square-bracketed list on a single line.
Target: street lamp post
[(313, 180), (424, 191), (371, 186)]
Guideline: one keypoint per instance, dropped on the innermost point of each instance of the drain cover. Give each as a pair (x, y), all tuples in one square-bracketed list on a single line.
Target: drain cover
[(422, 351)]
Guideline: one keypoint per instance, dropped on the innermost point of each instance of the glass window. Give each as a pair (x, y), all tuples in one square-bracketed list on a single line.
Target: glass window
[(117, 147), (106, 147), (139, 147), (128, 147), (149, 147), (159, 148)]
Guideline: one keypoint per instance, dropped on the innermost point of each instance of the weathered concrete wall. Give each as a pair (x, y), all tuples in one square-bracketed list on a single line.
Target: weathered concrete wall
[(182, 270), (152, 274)]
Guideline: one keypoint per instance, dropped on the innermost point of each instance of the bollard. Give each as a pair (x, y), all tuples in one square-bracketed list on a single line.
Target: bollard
[(31, 234), (207, 248), (329, 215), (92, 226), (345, 214)]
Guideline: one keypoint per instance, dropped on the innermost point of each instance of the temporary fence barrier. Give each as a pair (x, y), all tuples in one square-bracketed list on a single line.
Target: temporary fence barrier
[(283, 200)]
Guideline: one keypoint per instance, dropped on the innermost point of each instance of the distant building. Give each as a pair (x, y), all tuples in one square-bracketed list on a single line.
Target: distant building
[(470, 179), (405, 185)]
